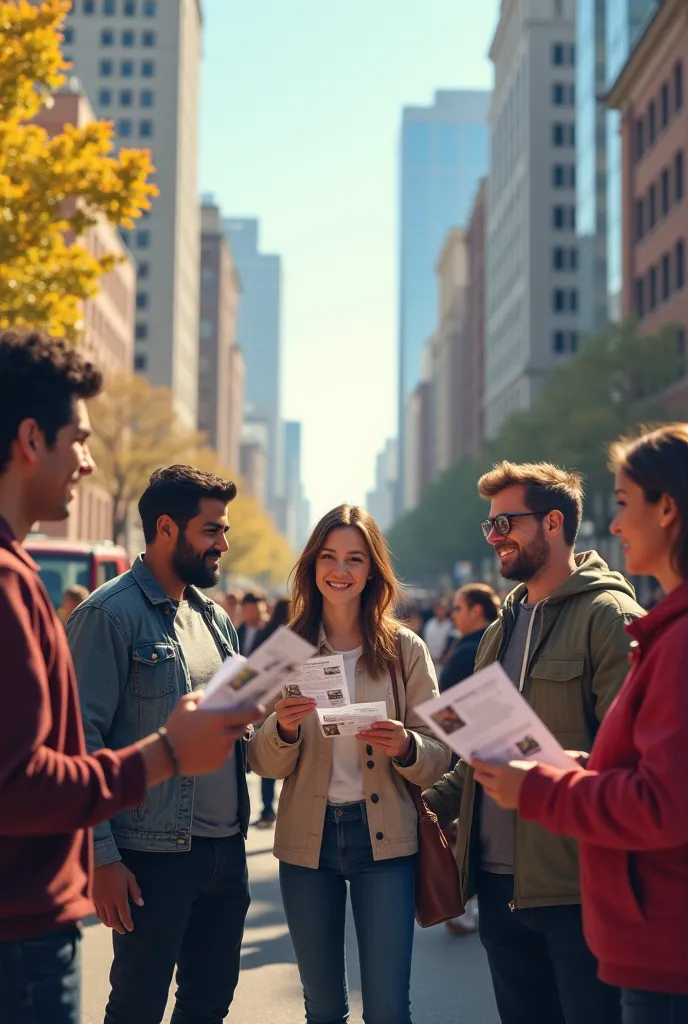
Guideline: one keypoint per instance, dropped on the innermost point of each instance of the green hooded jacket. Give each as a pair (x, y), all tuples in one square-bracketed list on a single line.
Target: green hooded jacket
[(577, 663)]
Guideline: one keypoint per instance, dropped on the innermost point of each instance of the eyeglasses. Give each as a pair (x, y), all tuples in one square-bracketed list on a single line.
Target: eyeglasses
[(502, 524)]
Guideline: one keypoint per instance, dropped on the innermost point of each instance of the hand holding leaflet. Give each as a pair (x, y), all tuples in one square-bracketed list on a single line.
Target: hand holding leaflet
[(352, 719), (322, 679), (486, 717), (241, 681)]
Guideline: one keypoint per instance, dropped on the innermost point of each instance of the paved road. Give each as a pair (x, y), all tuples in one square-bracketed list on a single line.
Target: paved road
[(450, 982)]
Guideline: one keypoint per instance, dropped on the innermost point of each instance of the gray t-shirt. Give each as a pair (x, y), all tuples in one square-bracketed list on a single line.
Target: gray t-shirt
[(497, 826), (216, 796)]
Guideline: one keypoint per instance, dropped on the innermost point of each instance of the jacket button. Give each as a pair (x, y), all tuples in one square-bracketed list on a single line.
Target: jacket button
[(370, 764), (375, 798), (369, 750), (379, 835)]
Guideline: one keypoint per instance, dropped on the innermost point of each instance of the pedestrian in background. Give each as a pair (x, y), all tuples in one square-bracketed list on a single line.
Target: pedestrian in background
[(628, 805), (561, 639), (437, 631), (71, 599), (345, 814), (252, 606), (280, 617), (475, 607)]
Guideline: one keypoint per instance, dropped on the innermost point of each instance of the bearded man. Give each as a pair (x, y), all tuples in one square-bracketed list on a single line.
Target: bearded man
[(170, 875), (561, 639)]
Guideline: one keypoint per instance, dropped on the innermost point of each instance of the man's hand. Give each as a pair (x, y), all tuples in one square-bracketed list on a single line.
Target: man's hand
[(203, 740), (389, 737), (113, 884), (291, 711)]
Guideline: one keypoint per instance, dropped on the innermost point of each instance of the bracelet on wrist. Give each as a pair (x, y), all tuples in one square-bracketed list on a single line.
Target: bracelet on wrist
[(171, 753)]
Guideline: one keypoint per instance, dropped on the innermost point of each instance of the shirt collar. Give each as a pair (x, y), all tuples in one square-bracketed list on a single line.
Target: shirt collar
[(10, 542)]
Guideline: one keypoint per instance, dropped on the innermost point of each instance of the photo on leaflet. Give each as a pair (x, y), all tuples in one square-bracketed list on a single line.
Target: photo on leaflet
[(448, 720), (335, 695), (242, 678), (331, 730), (332, 670), (292, 690), (528, 745)]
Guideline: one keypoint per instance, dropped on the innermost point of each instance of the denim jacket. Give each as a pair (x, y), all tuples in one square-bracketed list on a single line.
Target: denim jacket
[(131, 672)]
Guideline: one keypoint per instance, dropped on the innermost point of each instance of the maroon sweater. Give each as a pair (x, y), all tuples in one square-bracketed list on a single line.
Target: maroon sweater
[(51, 792), (630, 812)]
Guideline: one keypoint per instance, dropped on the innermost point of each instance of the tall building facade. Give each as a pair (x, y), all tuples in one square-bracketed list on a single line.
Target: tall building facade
[(532, 255), (381, 501), (295, 505), (444, 154), (471, 380), (260, 339), (452, 282), (221, 363), (139, 61)]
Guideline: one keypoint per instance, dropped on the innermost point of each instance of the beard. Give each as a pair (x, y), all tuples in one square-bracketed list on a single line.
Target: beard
[(529, 561), (192, 568)]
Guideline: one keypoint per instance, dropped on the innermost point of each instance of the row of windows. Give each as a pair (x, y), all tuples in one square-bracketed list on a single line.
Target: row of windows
[(661, 281), (563, 55), (564, 176), (660, 197), (126, 98), (565, 341), (564, 218), (129, 8), (125, 129), (563, 135), (565, 300), (141, 239), (565, 258), (563, 95), (106, 68), (659, 112), (127, 38)]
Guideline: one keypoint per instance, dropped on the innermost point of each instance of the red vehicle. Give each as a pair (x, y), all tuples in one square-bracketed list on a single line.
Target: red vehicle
[(65, 563)]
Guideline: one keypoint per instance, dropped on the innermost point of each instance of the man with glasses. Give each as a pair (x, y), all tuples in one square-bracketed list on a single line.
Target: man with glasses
[(561, 639)]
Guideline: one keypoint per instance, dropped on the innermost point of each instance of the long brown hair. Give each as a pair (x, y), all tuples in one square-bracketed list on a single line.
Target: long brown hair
[(378, 600), (657, 461)]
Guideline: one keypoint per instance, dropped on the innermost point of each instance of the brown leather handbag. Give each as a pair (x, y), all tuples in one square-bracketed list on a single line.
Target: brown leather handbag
[(438, 894)]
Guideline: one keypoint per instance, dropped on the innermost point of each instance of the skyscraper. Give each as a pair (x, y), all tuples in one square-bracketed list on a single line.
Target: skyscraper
[(444, 154), (139, 62), (295, 526), (260, 339)]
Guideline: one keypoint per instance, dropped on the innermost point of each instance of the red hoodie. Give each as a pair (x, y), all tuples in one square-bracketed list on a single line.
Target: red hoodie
[(629, 810), (50, 790)]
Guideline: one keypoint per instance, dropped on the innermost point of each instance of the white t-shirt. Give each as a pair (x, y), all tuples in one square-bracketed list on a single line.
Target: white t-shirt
[(436, 635), (346, 775)]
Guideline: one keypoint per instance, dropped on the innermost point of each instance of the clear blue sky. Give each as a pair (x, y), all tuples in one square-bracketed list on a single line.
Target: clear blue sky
[(301, 105)]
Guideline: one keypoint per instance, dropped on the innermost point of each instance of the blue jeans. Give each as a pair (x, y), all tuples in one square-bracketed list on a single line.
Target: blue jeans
[(653, 1007), (40, 979), (383, 902), (195, 905)]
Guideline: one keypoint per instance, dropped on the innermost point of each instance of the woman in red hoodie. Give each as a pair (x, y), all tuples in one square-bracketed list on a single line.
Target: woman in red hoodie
[(628, 806)]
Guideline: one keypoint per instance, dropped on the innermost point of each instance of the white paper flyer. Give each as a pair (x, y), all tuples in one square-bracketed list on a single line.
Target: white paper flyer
[(352, 719), (323, 680)]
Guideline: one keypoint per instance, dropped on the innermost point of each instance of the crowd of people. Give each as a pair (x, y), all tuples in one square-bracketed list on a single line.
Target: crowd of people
[(580, 874)]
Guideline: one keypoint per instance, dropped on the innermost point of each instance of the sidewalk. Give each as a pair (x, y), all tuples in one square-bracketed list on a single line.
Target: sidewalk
[(450, 982)]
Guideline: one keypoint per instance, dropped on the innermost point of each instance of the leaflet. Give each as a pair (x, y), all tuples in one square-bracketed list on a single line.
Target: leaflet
[(351, 719), (242, 681), (485, 716), (322, 679)]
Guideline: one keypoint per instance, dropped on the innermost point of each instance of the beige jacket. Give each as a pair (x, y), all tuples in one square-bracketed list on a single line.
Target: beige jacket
[(305, 766)]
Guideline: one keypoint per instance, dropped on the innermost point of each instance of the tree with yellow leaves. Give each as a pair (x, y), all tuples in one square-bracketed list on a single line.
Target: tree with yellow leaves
[(53, 189)]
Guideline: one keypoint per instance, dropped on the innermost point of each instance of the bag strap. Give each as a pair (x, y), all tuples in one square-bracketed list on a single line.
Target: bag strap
[(414, 791)]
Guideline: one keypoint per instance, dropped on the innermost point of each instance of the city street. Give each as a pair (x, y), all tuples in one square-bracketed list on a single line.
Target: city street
[(450, 977)]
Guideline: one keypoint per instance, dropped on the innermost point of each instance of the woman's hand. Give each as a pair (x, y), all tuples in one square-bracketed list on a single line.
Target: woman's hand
[(290, 712), (389, 737), (502, 782)]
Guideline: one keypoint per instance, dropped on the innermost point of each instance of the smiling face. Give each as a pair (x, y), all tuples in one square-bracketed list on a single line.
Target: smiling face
[(57, 469), (524, 552), (646, 529), (343, 565), (198, 549)]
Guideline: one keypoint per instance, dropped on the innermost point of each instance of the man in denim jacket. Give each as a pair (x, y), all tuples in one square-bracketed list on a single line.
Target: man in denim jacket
[(171, 878)]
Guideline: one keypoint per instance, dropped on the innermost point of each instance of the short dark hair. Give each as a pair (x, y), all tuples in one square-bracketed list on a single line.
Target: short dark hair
[(485, 596), (40, 376), (177, 492), (251, 598), (547, 488)]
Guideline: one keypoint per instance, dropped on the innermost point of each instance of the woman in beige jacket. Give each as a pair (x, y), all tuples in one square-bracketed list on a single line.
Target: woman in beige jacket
[(345, 814)]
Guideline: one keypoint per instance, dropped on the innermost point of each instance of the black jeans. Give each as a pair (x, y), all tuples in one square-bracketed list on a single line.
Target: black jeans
[(267, 792), (195, 905), (542, 970), (40, 979), (653, 1007)]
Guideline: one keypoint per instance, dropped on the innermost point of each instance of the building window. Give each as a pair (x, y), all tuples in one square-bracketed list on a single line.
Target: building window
[(666, 193), (128, 38), (558, 215), (563, 134), (639, 139), (146, 98), (149, 38), (666, 276), (639, 219), (130, 8), (573, 300), (142, 300), (126, 97), (89, 6), (651, 123), (141, 332), (105, 68), (665, 105), (680, 258), (652, 216), (639, 298), (124, 129), (143, 239), (146, 130), (558, 261), (573, 258), (143, 271), (652, 299), (107, 37), (109, 7), (148, 69), (68, 35), (149, 8), (559, 341), (104, 98), (140, 363), (573, 341), (126, 69), (558, 54), (678, 86), (678, 177)]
